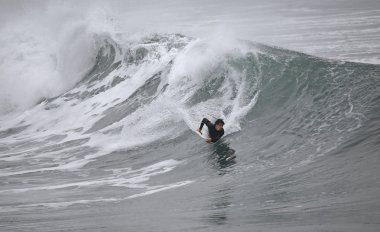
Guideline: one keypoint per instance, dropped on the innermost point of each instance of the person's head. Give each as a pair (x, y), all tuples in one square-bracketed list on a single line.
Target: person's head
[(219, 124)]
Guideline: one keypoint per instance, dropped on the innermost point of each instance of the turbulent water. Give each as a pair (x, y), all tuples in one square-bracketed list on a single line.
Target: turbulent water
[(117, 153)]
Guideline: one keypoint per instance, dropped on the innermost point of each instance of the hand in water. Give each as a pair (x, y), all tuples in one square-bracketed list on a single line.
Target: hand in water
[(208, 140), (199, 130)]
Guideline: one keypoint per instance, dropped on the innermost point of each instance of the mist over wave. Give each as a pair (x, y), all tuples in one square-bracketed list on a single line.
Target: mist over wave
[(46, 52)]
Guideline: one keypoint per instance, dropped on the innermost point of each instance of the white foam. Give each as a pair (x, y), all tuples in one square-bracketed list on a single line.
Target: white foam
[(160, 188), (67, 166), (125, 177), (42, 58), (64, 204)]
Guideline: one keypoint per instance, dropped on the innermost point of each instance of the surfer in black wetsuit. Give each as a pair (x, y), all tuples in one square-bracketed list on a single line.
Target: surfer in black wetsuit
[(215, 131)]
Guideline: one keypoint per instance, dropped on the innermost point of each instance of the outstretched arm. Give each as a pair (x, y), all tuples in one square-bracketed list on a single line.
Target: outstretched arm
[(205, 121)]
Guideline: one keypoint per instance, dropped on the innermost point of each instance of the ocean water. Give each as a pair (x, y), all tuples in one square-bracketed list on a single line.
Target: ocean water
[(98, 112)]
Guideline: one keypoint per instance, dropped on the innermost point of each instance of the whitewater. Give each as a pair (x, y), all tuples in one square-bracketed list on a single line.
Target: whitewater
[(97, 120)]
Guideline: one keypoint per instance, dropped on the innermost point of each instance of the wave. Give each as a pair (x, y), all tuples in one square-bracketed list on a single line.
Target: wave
[(146, 89), (305, 130)]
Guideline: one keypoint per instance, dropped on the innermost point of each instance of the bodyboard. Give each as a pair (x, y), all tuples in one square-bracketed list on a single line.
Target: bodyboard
[(203, 136)]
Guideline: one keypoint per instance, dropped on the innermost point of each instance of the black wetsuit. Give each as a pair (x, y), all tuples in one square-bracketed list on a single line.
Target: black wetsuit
[(212, 132)]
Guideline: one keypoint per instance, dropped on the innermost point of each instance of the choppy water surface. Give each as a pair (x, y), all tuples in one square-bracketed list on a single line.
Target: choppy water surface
[(117, 153)]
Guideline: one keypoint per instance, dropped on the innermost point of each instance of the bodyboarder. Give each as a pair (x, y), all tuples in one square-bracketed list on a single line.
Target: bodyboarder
[(215, 131)]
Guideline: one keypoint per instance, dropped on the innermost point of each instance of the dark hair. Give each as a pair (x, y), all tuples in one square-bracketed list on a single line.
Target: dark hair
[(219, 121)]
